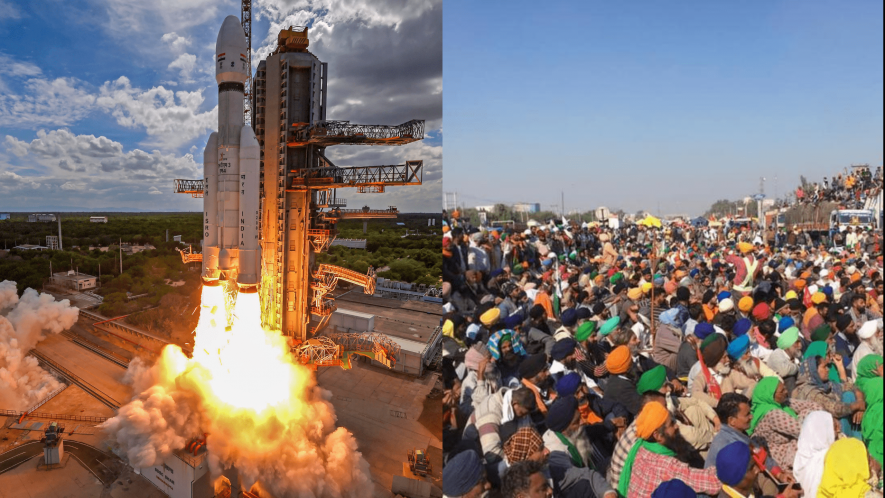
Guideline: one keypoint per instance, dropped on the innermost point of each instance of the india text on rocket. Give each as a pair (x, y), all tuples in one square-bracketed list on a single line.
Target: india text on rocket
[(268, 189)]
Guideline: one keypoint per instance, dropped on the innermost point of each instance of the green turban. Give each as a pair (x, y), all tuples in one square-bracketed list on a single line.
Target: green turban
[(788, 338), (585, 330), (652, 380), (609, 325)]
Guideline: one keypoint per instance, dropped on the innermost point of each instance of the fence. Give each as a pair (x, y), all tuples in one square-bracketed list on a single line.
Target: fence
[(75, 418)]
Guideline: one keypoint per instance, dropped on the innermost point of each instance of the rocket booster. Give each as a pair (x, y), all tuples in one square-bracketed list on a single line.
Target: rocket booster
[(231, 171)]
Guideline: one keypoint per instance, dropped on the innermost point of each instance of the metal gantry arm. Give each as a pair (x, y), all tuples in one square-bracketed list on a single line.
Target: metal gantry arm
[(411, 173), (193, 187), (326, 133)]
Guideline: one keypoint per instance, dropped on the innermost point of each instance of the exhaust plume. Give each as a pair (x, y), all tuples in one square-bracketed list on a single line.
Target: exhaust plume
[(260, 412), (22, 381)]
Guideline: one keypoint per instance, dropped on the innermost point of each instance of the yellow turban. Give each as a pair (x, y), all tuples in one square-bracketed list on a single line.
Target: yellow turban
[(652, 416), (790, 295), (490, 317), (818, 297), (745, 247), (619, 360), (745, 304), (646, 287), (449, 329), (634, 293)]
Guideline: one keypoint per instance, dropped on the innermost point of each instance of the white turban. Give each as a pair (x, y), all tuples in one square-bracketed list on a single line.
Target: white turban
[(726, 305), (868, 329)]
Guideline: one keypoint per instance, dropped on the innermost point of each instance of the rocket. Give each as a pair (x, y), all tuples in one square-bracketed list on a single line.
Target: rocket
[(230, 172)]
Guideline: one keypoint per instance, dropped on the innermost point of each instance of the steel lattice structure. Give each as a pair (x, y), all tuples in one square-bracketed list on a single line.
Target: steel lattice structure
[(193, 187), (325, 133), (366, 341), (411, 173)]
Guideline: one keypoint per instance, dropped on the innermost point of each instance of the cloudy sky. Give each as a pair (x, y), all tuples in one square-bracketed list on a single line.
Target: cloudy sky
[(645, 103), (104, 102)]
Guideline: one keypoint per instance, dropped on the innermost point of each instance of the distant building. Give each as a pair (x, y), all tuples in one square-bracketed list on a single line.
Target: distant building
[(488, 208), (5, 216), (33, 218), (52, 242), (31, 247), (74, 280), (98, 219), (176, 238), (527, 207), (351, 243)]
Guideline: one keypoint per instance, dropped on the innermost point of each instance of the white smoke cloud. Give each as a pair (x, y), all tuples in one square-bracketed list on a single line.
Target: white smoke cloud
[(22, 381), (290, 447)]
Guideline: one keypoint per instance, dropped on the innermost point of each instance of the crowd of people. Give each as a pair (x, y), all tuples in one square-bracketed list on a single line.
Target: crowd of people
[(848, 189), (581, 361)]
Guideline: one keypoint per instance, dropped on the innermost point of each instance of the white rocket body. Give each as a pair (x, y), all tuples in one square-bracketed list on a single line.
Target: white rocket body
[(231, 170)]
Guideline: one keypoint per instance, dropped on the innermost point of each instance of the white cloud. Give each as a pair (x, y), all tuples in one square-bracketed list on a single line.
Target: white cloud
[(185, 63), (9, 11), (71, 164), (175, 16), (171, 119), (58, 102), (176, 42)]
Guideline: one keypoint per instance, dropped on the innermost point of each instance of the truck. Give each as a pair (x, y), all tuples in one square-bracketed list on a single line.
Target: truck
[(822, 219)]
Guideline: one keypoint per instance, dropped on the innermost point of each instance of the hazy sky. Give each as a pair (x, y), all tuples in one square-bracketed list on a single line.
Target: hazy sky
[(104, 102), (641, 104)]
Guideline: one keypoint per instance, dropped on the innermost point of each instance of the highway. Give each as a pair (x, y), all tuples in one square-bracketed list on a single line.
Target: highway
[(99, 463), (15, 457)]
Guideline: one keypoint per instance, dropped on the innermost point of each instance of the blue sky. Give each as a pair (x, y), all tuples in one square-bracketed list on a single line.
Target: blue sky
[(636, 105), (104, 102)]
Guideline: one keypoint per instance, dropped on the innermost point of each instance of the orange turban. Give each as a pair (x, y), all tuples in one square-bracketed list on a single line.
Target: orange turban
[(800, 284), (745, 304), (744, 247), (619, 360), (652, 416), (855, 277)]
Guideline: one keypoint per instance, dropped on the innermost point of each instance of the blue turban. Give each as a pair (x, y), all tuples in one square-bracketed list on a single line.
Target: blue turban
[(694, 272), (723, 296), (568, 384), (674, 489), (569, 317), (785, 323), (584, 313), (738, 347), (703, 329), (494, 273), (462, 473), (563, 348), (732, 463), (828, 290), (546, 262), (512, 321), (560, 414), (742, 326)]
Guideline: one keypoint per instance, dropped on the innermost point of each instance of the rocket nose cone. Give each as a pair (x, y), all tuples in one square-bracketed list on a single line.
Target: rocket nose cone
[(231, 35)]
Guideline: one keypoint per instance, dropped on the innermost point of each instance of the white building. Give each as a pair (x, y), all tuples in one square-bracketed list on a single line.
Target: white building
[(32, 218), (74, 280), (98, 219), (52, 242), (527, 207), (488, 208), (182, 475)]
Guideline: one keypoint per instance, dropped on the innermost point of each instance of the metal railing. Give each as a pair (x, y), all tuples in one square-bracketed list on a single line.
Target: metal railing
[(71, 376), (325, 133), (411, 173), (47, 398), (75, 418)]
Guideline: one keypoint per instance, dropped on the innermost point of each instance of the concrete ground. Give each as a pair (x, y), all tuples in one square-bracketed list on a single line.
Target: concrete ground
[(101, 373), (76, 401), (382, 409)]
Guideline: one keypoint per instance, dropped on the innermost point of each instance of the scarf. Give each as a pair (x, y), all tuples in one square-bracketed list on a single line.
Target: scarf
[(572, 450), (658, 449), (712, 383), (809, 368), (763, 401), (502, 336), (871, 426), (846, 470), (815, 439), (538, 399)]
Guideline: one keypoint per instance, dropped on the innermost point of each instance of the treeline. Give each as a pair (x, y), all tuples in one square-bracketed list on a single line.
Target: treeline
[(77, 230)]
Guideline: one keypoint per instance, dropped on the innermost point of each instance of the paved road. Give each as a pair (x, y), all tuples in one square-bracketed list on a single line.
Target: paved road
[(99, 463), (15, 457)]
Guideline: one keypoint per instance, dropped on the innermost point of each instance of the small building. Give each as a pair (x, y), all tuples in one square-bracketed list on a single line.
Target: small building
[(527, 207), (45, 218), (74, 280), (98, 219), (31, 247), (52, 242), (183, 474), (351, 243), (5, 216)]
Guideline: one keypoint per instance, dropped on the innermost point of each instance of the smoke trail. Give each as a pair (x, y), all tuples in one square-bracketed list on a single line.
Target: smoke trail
[(22, 381), (263, 414)]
